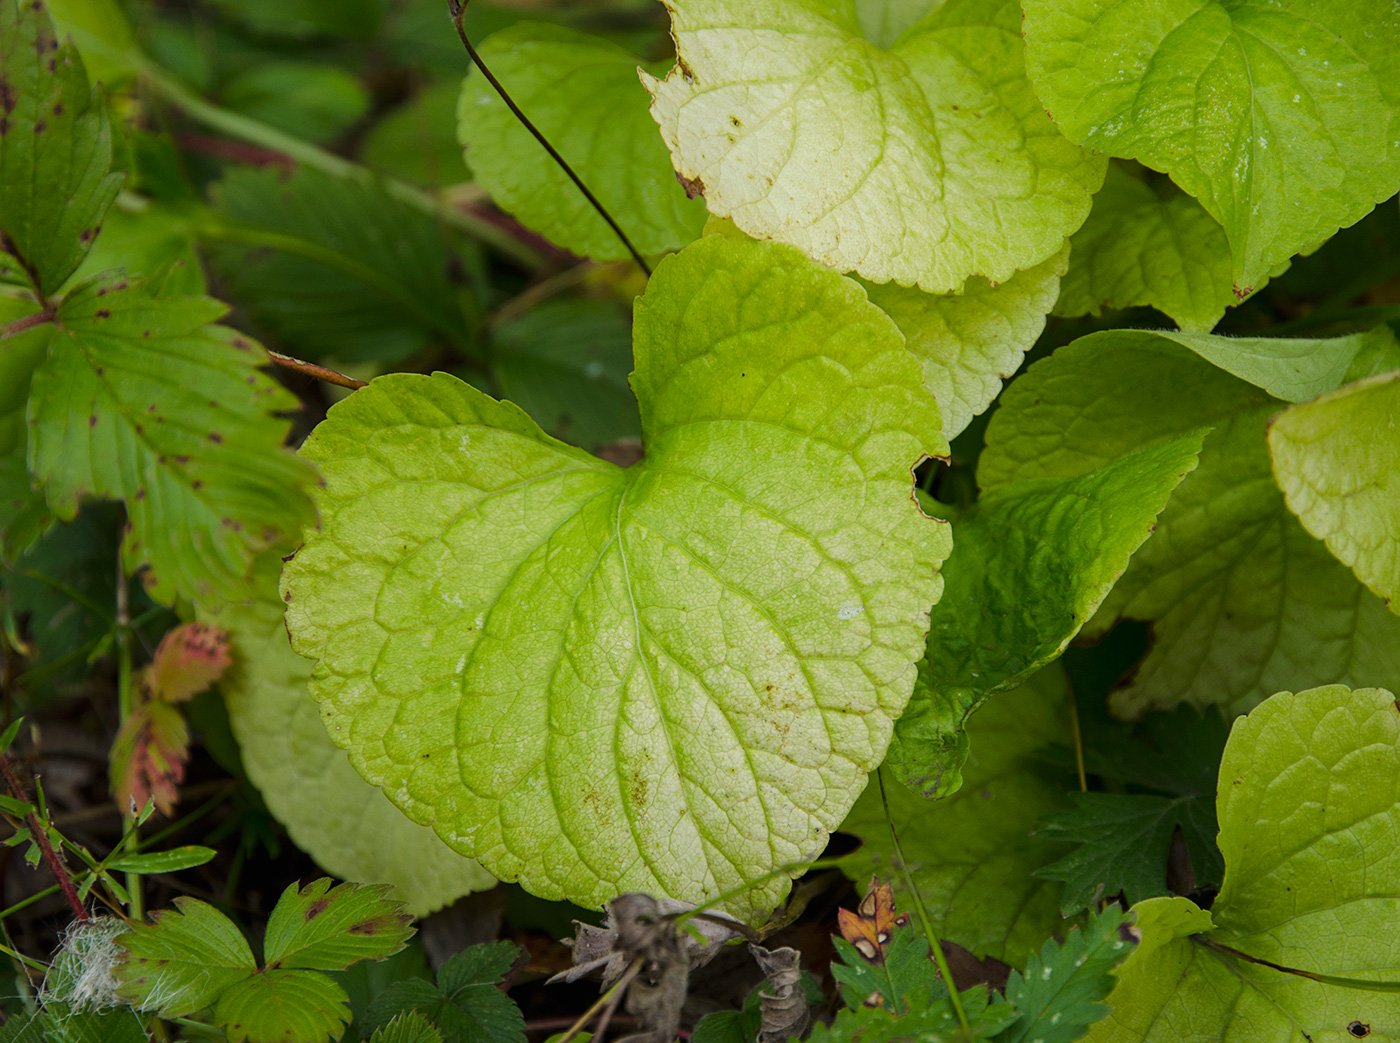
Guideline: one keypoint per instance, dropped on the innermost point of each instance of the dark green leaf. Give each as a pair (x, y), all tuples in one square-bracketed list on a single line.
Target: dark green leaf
[(566, 364), (55, 148), (316, 102), (1056, 997), (337, 267), (466, 1004), (1124, 839), (410, 1027)]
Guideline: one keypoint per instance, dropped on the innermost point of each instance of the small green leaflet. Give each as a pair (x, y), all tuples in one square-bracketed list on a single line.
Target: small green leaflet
[(1138, 248), (409, 1027), (1337, 459), (670, 678), (583, 95), (338, 818), (1241, 598), (465, 1005), (1031, 563), (972, 854), (183, 960), (1282, 119), (331, 929), (935, 1023), (193, 957), (1308, 806), (142, 399), (338, 267), (55, 148), (1057, 996), (909, 149)]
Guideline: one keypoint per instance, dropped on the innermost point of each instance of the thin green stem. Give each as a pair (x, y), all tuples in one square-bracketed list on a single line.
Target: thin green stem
[(258, 133), (126, 705), (919, 907)]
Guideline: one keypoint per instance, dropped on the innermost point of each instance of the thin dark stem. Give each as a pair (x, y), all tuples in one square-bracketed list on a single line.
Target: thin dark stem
[(310, 369), (28, 322), (458, 8), (51, 858)]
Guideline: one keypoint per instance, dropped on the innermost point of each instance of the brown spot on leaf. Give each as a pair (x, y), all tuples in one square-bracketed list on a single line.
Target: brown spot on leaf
[(141, 493), (92, 420), (58, 108), (693, 185), (1359, 1029), (216, 438), (40, 126), (103, 313), (316, 908), (197, 484)]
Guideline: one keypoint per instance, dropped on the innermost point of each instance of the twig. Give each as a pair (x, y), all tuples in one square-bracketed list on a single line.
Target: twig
[(607, 999), (310, 369), (458, 8), (933, 943), (36, 828)]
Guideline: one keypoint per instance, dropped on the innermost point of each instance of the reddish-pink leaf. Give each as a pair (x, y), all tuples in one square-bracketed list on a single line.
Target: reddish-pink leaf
[(148, 757), (190, 658)]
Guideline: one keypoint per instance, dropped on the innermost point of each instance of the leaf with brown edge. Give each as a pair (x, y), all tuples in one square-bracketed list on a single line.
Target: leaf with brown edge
[(871, 927), (330, 929), (187, 661)]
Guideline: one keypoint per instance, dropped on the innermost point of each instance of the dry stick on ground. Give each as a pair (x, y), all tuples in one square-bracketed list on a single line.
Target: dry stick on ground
[(51, 857)]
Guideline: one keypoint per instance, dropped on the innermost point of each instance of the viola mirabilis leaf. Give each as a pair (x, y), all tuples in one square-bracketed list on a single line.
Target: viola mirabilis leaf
[(1241, 598), (583, 95), (1337, 459), (1281, 120), (345, 824), (1308, 805), (972, 854), (583, 618), (1032, 562), (908, 149), (55, 148)]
